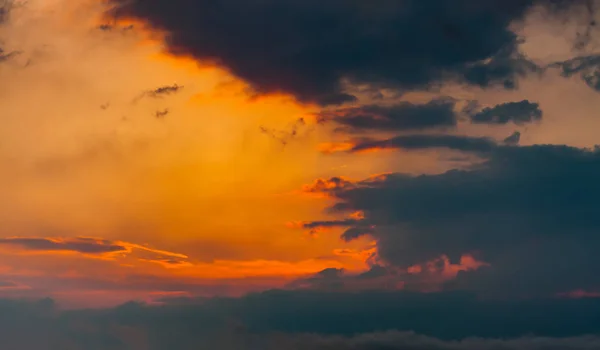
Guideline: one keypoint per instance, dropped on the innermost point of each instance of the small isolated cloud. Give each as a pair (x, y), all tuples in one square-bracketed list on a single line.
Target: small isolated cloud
[(164, 90), (286, 135), (333, 184), (519, 113), (160, 92), (161, 113), (79, 245), (513, 139)]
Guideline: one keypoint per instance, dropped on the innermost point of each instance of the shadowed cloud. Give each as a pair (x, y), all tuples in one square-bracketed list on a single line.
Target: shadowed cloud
[(402, 116), (81, 245), (416, 142), (527, 211), (588, 68), (310, 48), (519, 113)]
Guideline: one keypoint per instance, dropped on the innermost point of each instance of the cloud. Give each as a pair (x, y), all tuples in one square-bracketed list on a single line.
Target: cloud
[(91, 246), (311, 48), (308, 320), (527, 211), (519, 113), (286, 135), (588, 68), (80, 245), (403, 116), (513, 139), (416, 142), (164, 90), (327, 185)]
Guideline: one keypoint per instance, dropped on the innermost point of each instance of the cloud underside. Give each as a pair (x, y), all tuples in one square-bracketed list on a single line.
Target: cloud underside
[(317, 46), (530, 212)]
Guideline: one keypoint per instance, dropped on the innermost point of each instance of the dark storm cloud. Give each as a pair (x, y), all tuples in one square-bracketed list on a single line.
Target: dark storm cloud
[(81, 245), (416, 142), (531, 212), (519, 113), (308, 47), (398, 117)]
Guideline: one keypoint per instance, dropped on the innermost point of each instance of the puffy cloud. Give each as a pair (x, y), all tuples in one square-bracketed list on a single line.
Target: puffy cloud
[(527, 211)]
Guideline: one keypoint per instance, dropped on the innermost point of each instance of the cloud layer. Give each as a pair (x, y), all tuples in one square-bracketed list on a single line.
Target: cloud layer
[(282, 320)]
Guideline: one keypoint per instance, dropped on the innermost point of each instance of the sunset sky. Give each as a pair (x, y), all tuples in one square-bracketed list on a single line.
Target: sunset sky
[(168, 150)]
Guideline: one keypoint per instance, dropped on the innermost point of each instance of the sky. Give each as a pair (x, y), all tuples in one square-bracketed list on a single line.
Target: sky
[(347, 174)]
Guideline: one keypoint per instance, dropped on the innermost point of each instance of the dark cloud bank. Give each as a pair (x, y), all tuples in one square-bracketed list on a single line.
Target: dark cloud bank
[(309, 321), (530, 212), (309, 47)]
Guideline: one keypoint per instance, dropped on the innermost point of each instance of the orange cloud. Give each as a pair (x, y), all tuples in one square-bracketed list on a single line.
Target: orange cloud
[(85, 246), (321, 186)]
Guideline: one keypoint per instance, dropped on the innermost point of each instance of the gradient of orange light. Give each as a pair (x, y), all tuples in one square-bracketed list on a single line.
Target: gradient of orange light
[(216, 187)]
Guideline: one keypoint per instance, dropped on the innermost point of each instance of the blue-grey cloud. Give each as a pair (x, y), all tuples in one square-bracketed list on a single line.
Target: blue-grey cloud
[(308, 48), (519, 113), (587, 67), (403, 116), (308, 321), (527, 211)]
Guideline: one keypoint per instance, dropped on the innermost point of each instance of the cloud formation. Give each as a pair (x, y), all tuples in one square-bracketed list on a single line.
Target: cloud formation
[(527, 211), (403, 116), (310, 48), (519, 113), (587, 67)]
